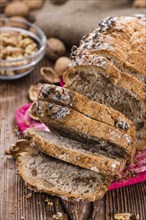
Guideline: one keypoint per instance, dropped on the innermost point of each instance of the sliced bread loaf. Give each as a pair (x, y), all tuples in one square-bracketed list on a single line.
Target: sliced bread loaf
[(126, 94), (82, 104), (83, 127), (122, 40), (55, 177), (88, 156)]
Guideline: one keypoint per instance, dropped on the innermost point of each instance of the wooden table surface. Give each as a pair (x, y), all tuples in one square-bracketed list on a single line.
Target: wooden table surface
[(15, 203)]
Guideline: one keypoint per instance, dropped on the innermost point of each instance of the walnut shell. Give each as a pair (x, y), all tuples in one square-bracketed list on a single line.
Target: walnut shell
[(61, 65), (55, 48), (33, 91), (49, 75), (17, 8), (34, 4)]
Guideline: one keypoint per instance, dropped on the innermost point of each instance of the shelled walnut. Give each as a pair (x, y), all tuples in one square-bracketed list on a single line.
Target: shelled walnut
[(14, 47)]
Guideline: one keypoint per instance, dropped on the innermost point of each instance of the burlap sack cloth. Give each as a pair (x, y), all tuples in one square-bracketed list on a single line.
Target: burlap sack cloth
[(72, 20)]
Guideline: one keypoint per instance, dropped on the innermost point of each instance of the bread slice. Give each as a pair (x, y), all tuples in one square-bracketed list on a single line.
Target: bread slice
[(82, 104), (120, 39), (91, 77), (88, 156), (83, 127), (88, 78), (49, 175)]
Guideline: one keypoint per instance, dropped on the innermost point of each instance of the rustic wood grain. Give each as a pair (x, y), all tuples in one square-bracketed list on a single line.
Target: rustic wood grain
[(16, 200)]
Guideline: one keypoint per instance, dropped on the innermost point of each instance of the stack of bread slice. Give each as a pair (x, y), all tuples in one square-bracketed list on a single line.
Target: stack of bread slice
[(88, 144), (109, 67)]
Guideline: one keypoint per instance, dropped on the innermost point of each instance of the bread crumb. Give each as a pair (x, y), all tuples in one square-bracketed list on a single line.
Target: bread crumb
[(29, 195), (94, 169), (50, 203)]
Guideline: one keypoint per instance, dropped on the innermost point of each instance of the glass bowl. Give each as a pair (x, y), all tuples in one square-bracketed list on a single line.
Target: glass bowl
[(15, 68)]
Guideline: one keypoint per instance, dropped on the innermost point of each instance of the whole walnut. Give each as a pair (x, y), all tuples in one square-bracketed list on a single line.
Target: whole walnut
[(12, 22), (61, 65), (32, 4), (139, 4), (55, 48), (58, 2), (17, 8)]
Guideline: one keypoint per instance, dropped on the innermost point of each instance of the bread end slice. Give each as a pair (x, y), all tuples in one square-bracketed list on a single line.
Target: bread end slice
[(52, 176)]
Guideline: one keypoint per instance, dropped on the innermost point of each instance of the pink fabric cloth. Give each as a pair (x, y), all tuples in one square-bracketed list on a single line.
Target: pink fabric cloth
[(24, 121), (133, 174)]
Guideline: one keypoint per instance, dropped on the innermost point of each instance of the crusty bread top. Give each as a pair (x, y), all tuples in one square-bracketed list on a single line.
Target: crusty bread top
[(46, 174), (76, 123), (92, 109), (109, 71), (122, 38)]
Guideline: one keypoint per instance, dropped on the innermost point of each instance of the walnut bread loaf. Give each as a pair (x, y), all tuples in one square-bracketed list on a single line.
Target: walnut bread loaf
[(81, 154), (109, 67), (46, 174), (95, 120), (121, 40), (83, 128), (83, 104)]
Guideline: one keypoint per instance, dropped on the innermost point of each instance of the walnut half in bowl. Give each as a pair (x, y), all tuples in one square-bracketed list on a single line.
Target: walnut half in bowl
[(20, 48)]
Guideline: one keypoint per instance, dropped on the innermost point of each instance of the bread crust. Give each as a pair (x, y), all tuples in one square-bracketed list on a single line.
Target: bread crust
[(84, 105), (123, 80), (75, 122), (96, 162), (117, 45), (22, 149), (121, 38)]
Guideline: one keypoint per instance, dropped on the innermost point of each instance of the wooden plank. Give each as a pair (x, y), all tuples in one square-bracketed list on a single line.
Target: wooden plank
[(14, 201)]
